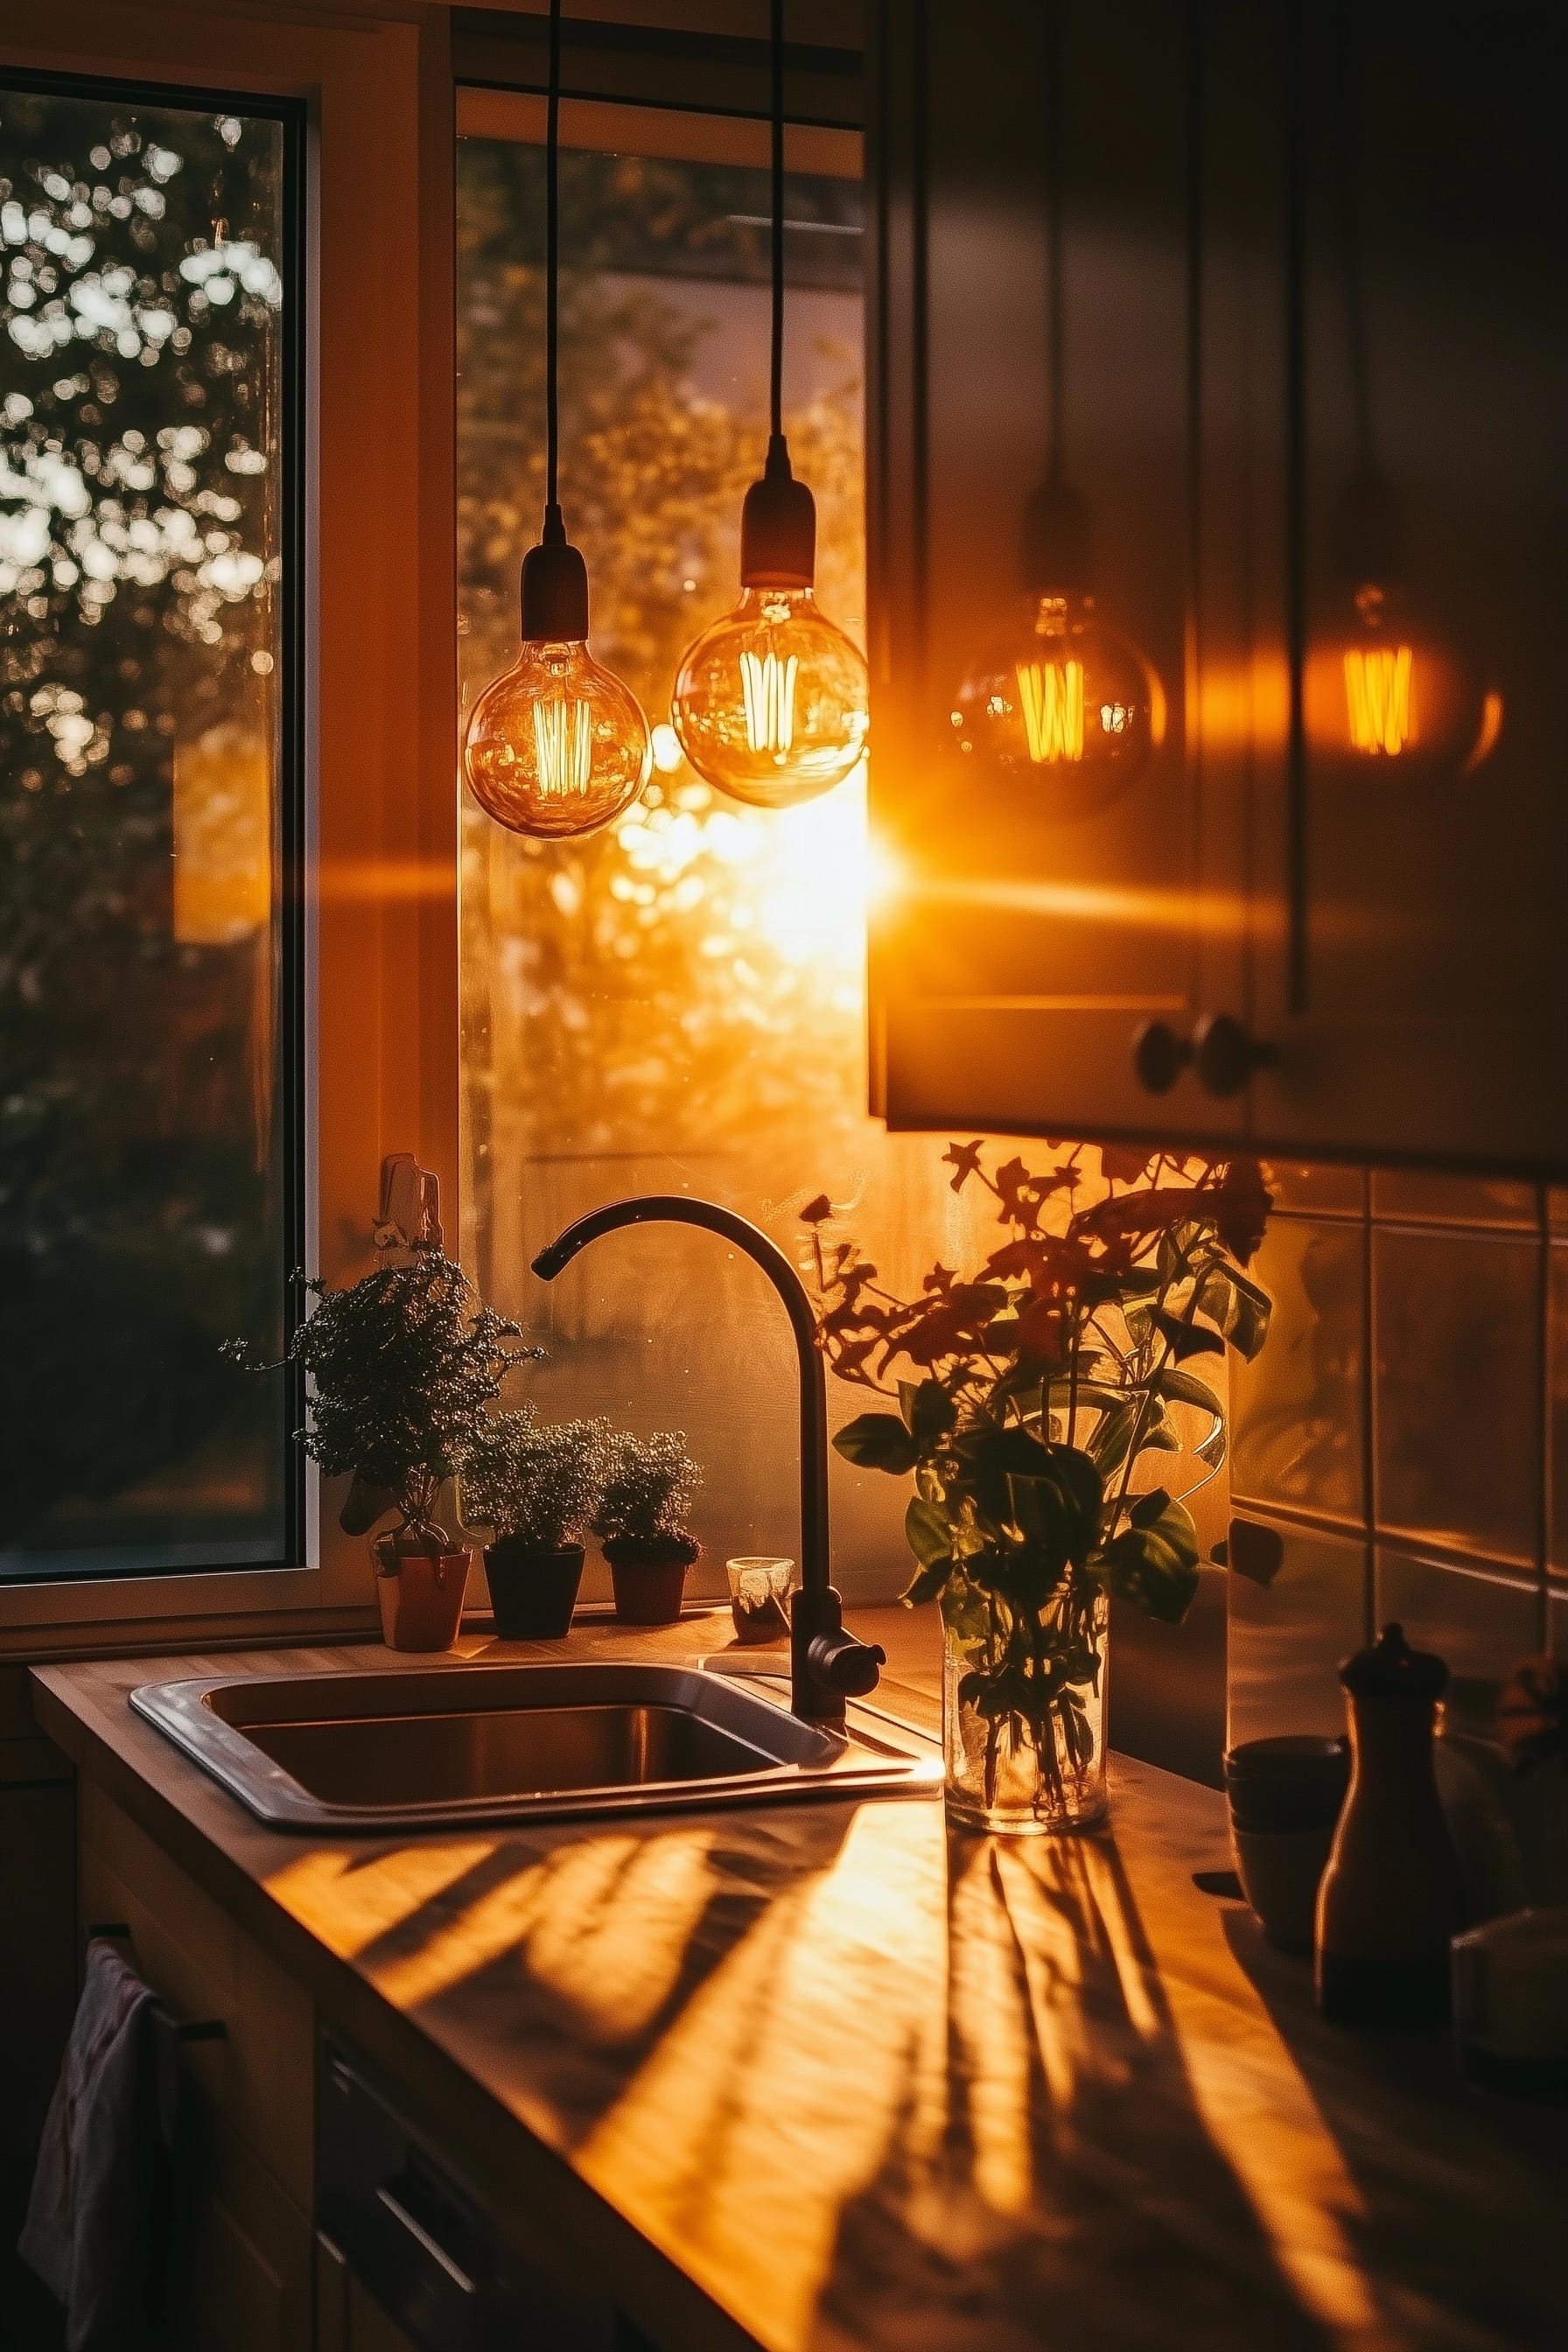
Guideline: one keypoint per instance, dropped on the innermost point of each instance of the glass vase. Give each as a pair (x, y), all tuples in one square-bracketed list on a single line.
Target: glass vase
[(1019, 1774)]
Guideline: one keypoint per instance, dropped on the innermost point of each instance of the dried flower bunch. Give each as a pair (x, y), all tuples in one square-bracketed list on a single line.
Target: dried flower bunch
[(402, 1365), (649, 1484), (1028, 1395), (534, 1482)]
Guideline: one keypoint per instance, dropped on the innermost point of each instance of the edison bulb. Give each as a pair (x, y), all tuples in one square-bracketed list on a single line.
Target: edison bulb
[(1064, 696), (557, 745), (1383, 691), (771, 704)]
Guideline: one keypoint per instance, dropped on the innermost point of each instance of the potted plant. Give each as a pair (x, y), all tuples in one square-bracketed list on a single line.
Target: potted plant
[(641, 1523), (535, 1484), (1028, 1398), (402, 1365)]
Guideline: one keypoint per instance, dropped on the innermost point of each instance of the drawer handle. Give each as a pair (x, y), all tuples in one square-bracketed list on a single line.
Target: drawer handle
[(1158, 1057), (1227, 1054), (432, 2246)]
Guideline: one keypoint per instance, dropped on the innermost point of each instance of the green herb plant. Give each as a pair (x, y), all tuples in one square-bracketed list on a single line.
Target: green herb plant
[(649, 1484), (533, 1482), (403, 1365), (1028, 1395)]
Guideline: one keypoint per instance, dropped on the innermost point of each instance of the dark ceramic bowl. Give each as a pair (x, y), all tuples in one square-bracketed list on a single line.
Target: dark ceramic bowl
[(1291, 1782)]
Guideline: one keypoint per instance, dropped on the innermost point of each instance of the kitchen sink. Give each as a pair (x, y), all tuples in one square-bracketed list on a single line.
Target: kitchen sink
[(431, 1747)]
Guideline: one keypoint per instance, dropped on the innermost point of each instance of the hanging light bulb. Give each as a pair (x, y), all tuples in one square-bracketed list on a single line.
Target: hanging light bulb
[(771, 703), (1059, 695), (557, 745)]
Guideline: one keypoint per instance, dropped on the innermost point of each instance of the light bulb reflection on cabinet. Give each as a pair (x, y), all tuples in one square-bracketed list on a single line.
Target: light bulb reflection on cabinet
[(1065, 693)]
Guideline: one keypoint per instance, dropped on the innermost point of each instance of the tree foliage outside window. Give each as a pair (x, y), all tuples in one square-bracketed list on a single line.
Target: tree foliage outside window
[(141, 293)]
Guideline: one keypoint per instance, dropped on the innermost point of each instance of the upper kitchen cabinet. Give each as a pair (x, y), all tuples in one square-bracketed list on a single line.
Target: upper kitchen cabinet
[(1274, 292), (1054, 877), (1417, 849)]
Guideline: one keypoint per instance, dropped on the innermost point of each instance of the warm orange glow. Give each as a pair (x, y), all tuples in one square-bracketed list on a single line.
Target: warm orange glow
[(223, 836), (1051, 695), (1491, 728), (767, 690), (1378, 698)]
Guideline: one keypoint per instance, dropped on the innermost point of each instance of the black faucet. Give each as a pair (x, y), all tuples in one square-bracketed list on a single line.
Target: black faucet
[(825, 1662)]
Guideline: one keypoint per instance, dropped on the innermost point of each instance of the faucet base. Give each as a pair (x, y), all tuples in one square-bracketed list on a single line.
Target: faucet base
[(827, 1665)]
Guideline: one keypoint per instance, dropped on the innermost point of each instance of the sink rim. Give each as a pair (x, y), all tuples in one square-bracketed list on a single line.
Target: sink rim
[(204, 1716)]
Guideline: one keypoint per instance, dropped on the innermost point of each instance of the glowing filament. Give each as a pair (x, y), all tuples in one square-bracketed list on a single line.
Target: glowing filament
[(1377, 697), (1052, 696), (563, 747), (768, 685)]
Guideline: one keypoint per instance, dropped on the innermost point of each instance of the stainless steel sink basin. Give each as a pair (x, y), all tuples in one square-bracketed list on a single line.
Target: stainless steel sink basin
[(425, 1748)]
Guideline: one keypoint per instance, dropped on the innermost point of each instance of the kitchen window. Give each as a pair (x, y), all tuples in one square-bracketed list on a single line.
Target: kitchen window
[(677, 1004)]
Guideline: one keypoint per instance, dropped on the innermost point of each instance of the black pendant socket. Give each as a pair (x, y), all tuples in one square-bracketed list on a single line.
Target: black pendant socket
[(778, 527), (554, 587), (1057, 560)]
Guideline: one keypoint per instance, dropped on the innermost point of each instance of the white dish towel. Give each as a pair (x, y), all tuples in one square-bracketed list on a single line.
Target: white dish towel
[(88, 2227)]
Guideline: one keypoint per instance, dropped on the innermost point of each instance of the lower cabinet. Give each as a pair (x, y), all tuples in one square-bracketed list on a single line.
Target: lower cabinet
[(305, 2213), (348, 2316), (239, 2260)]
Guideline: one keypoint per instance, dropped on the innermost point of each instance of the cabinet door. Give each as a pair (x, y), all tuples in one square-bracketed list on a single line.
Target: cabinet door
[(1417, 996), (1028, 929)]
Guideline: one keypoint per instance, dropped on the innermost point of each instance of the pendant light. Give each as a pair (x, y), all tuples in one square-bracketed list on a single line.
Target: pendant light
[(557, 746), (1380, 687), (771, 703), (1060, 699)]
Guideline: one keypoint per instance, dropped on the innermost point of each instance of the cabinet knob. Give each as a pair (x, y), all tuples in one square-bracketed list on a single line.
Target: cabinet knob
[(1158, 1057), (1227, 1054)]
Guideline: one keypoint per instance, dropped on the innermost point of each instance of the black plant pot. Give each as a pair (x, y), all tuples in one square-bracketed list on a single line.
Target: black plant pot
[(533, 1589)]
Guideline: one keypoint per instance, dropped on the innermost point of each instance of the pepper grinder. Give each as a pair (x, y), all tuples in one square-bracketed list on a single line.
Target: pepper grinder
[(1392, 1895)]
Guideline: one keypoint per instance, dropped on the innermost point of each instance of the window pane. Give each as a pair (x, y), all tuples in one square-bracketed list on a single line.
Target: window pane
[(677, 1004), (148, 1185)]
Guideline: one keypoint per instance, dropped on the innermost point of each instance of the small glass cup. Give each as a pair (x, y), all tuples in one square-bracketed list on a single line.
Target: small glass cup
[(759, 1597)]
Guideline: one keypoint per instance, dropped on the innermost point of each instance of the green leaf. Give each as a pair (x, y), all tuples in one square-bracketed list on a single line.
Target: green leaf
[(1107, 1449), (926, 1583), (928, 1411), (1239, 1306), (1186, 1339), (1156, 1566), (928, 1533), (1147, 1508), (878, 1441), (1185, 1387), (1057, 1509)]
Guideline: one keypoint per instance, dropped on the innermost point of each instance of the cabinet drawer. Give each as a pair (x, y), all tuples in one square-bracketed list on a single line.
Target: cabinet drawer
[(260, 2078)]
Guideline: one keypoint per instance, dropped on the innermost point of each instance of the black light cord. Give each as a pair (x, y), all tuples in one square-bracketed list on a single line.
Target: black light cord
[(1055, 334), (776, 381), (1348, 169), (553, 261)]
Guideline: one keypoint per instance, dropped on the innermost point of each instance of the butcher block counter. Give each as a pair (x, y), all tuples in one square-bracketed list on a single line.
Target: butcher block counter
[(829, 2075)]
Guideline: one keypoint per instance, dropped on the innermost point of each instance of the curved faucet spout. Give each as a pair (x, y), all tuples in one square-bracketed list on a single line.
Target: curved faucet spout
[(825, 1661)]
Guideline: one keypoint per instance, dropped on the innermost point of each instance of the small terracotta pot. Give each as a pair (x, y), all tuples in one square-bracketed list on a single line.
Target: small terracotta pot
[(649, 1577), (533, 1588), (420, 1596)]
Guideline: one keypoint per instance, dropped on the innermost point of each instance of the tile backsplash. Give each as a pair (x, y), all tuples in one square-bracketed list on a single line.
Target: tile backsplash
[(1405, 1432)]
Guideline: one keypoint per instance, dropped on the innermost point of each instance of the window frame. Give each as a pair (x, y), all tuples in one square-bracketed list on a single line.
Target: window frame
[(373, 1044)]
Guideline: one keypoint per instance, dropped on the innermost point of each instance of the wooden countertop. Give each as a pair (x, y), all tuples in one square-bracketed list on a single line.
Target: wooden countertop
[(832, 2077)]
